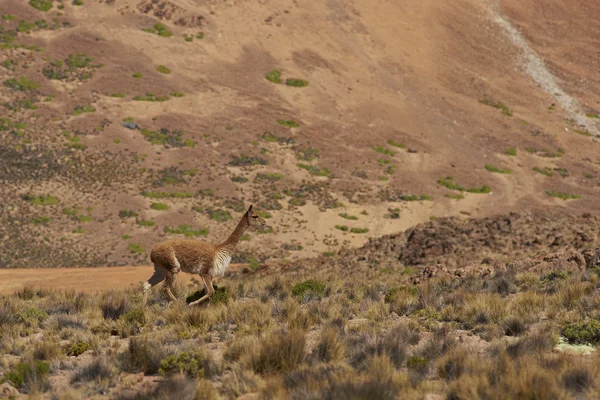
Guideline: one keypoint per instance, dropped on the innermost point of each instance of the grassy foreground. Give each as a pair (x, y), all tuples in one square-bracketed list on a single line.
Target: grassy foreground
[(317, 337)]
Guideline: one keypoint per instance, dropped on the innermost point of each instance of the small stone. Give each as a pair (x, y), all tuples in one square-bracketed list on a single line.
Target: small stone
[(131, 125)]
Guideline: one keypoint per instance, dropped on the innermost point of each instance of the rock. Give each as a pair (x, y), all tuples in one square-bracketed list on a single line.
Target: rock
[(130, 125), (8, 391)]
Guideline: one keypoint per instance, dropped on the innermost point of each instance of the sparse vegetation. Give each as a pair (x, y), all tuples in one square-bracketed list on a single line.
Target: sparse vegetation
[(296, 82), (160, 30), (392, 142), (41, 5), (135, 248), (564, 196), (145, 222), (159, 206), (288, 123), (491, 168), (314, 170), (23, 84), (449, 183), (383, 150), (511, 151), (496, 104), (163, 70), (42, 200), (546, 171), (83, 109), (187, 231), (274, 76), (347, 216)]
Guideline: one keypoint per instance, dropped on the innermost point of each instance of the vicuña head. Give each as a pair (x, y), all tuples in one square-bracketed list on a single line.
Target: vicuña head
[(209, 260)]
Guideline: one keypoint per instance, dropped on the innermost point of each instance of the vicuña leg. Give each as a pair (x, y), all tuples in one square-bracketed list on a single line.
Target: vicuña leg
[(158, 277), (210, 290), (171, 276)]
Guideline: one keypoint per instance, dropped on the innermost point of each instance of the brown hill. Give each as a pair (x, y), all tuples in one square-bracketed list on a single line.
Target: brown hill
[(111, 106)]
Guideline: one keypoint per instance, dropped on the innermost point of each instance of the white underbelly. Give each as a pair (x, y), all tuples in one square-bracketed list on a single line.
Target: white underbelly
[(220, 265)]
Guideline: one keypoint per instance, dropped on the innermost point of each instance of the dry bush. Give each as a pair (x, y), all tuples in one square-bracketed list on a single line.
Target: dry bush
[(483, 308), (251, 316), (240, 382), (47, 349), (528, 306), (99, 369), (114, 305), (175, 387), (238, 349), (331, 347), (535, 342), (144, 355), (279, 352)]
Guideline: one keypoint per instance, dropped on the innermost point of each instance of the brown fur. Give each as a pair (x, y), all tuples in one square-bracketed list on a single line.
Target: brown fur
[(206, 259)]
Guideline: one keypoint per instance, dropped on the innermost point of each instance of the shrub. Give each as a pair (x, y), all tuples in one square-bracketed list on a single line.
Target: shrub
[(392, 142), (511, 151), (43, 200), (546, 171), (582, 332), (564, 196), (491, 168), (127, 214), (219, 215), (496, 104), (41, 5), (331, 347), (383, 150), (160, 30), (47, 349), (144, 355), (359, 230), (192, 364), (137, 75), (288, 123), (78, 110), (186, 230), (78, 60), (244, 160), (274, 76), (296, 82), (309, 288), (136, 248), (272, 177), (222, 295), (135, 316), (145, 222), (22, 84), (159, 206), (350, 217), (98, 369), (314, 170), (163, 70), (114, 306), (279, 352), (27, 376), (78, 348), (31, 317)]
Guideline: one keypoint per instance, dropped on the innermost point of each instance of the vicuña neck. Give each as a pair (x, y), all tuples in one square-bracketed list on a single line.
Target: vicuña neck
[(234, 238)]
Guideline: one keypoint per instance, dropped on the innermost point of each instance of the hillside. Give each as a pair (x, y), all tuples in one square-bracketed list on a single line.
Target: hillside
[(126, 122)]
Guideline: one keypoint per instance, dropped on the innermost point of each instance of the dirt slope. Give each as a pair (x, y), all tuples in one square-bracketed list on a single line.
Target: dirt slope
[(399, 95)]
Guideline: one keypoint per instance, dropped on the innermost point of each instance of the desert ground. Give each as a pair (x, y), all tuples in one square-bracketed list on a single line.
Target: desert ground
[(428, 171)]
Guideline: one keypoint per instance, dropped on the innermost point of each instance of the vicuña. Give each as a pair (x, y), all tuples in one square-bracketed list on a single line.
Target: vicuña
[(209, 260)]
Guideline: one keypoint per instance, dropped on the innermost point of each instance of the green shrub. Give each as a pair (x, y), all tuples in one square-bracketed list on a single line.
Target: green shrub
[(145, 222), (177, 94), (79, 60), (127, 214), (163, 70), (149, 96), (491, 168), (219, 215), (23, 84), (314, 170), (135, 316), (137, 75), (350, 217), (190, 363), (414, 197), (31, 317), (511, 151), (311, 287), (41, 5), (391, 142), (279, 352), (272, 177), (343, 228), (78, 110), (135, 248), (274, 76), (118, 95), (296, 82), (244, 160), (187, 230), (27, 376), (564, 196), (383, 150), (159, 206), (160, 30), (546, 171), (583, 332), (416, 363), (43, 220), (288, 123), (78, 348), (164, 195), (359, 230), (222, 295), (505, 110)]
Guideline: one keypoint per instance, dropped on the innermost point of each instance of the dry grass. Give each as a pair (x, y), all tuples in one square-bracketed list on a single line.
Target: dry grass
[(342, 340)]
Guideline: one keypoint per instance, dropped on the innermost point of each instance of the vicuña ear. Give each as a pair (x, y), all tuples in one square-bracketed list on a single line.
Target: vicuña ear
[(249, 209)]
